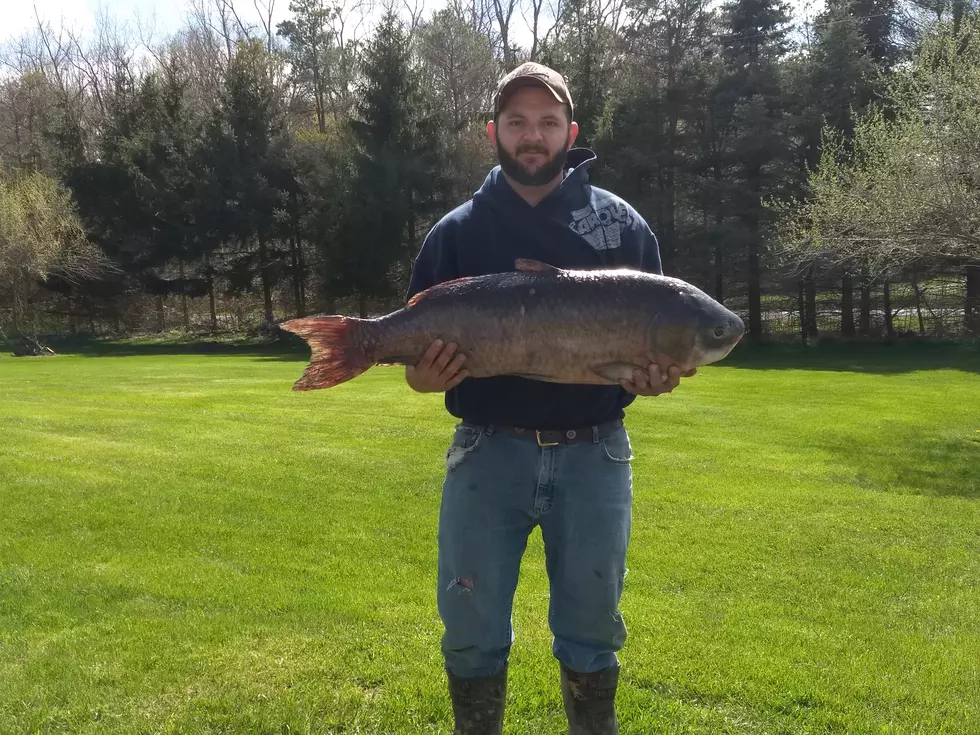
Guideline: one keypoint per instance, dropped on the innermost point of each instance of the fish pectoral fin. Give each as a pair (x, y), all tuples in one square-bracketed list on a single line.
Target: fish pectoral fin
[(616, 371), (535, 266)]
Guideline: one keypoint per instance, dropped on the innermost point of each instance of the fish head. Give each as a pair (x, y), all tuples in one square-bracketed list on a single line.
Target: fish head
[(719, 330), (693, 329)]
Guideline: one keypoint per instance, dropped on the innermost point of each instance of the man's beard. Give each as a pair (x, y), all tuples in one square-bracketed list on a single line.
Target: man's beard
[(545, 174)]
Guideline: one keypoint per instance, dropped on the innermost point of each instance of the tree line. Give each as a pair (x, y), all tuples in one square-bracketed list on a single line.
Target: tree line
[(819, 175)]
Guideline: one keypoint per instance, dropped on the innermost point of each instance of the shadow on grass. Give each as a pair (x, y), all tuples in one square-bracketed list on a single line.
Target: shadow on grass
[(947, 466), (287, 349), (872, 357), (878, 357)]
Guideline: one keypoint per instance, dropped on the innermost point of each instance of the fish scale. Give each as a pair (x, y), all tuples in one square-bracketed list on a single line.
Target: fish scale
[(539, 322)]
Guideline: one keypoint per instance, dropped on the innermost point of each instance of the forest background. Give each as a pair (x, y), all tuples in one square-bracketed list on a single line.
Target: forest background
[(818, 172)]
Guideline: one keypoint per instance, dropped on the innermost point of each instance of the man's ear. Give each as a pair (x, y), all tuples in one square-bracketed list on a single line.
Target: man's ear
[(572, 133), (492, 133)]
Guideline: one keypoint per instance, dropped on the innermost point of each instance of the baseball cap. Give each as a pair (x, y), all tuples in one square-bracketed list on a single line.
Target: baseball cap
[(528, 74)]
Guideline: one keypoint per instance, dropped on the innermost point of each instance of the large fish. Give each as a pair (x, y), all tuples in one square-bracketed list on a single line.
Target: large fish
[(539, 322)]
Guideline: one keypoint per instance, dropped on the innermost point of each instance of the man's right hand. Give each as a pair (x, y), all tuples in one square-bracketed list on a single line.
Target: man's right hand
[(438, 370)]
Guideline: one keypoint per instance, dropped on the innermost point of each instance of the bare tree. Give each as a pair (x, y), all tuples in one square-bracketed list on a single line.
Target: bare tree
[(459, 61)]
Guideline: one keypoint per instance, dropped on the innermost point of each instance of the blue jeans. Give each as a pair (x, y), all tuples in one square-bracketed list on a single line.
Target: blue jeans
[(496, 490)]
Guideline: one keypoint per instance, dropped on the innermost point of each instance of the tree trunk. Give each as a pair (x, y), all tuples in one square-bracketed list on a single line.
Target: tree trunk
[(14, 311), (161, 320), (972, 313), (755, 294), (751, 220), (266, 278), (210, 275), (847, 306), (810, 296), (413, 247), (183, 295), (889, 327), (302, 270), (297, 278), (865, 318), (801, 307), (362, 305), (918, 302)]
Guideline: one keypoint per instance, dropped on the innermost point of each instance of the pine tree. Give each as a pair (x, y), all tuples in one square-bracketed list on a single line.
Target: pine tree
[(830, 86), (254, 123), (396, 163), (753, 103)]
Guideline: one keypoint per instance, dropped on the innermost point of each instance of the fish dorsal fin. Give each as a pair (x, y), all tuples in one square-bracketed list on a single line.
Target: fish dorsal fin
[(422, 294), (535, 266)]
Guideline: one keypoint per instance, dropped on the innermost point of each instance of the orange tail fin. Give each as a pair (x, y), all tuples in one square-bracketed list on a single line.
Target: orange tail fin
[(334, 359)]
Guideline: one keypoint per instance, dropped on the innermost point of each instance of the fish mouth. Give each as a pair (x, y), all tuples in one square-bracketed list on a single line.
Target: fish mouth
[(704, 355)]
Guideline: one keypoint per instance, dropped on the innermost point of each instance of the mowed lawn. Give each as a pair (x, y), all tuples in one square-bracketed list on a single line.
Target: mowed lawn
[(187, 545)]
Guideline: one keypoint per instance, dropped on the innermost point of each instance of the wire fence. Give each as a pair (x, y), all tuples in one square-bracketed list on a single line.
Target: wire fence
[(935, 308)]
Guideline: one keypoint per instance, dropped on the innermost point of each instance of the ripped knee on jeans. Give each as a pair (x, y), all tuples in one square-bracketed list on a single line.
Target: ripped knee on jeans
[(463, 584)]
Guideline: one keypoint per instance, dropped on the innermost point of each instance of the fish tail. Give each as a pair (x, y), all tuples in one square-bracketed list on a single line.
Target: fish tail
[(335, 357)]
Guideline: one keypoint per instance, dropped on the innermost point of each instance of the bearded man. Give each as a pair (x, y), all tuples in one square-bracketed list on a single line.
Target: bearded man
[(527, 453)]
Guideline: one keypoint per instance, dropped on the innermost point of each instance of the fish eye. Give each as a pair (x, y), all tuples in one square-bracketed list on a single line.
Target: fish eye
[(719, 331)]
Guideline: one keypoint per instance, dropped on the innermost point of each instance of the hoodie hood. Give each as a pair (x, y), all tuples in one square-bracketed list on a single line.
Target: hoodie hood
[(573, 191)]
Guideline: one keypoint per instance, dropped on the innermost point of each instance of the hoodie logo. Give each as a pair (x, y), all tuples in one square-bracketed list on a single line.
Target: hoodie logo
[(601, 224)]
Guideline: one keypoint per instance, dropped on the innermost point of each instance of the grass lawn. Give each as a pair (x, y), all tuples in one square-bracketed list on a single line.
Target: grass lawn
[(186, 545)]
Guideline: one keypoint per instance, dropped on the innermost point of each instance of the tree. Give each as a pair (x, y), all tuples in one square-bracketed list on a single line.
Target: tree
[(907, 191), (310, 52), (41, 237), (26, 115), (254, 123), (396, 171), (647, 127), (835, 80), (459, 62), (753, 101)]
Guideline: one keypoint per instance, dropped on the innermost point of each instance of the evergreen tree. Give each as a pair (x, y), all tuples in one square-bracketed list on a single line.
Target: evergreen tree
[(254, 120), (753, 104), (647, 123), (830, 85), (396, 166)]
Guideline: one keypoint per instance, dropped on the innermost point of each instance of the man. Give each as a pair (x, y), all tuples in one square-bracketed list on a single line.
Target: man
[(528, 453)]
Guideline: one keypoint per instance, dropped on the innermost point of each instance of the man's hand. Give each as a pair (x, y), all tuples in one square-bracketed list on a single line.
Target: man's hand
[(438, 370), (654, 382)]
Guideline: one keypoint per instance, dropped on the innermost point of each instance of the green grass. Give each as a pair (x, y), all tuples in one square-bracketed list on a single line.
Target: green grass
[(186, 545)]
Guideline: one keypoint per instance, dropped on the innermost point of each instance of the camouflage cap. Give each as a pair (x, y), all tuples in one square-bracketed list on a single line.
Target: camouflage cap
[(528, 74)]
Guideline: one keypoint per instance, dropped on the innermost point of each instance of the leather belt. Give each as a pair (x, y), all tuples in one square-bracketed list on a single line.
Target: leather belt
[(555, 437)]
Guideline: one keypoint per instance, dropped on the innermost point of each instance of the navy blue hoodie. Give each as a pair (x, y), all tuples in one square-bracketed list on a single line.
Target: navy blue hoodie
[(577, 226)]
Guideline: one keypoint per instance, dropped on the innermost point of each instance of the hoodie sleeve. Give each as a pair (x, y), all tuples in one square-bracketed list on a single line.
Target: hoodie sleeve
[(435, 261), (649, 248), (645, 248)]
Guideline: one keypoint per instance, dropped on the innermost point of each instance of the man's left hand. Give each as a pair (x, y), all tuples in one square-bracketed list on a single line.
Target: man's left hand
[(653, 382)]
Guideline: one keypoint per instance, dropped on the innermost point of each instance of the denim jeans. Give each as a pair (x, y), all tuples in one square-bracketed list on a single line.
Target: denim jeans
[(497, 488)]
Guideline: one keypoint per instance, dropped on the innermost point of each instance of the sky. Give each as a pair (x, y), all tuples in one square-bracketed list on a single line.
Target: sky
[(166, 16)]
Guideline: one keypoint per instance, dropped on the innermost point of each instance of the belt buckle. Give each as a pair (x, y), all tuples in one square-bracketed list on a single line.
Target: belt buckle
[(537, 435)]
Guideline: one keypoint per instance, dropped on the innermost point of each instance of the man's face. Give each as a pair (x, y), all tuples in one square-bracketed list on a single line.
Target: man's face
[(532, 136)]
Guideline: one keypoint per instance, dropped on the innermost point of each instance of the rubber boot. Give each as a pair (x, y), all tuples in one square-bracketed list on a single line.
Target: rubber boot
[(478, 703), (590, 701)]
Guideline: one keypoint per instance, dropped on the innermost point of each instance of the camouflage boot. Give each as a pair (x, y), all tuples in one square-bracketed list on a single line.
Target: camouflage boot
[(590, 701), (478, 703)]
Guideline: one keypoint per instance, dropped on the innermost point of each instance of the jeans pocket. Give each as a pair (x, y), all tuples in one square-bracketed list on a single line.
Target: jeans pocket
[(617, 448), (466, 438)]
